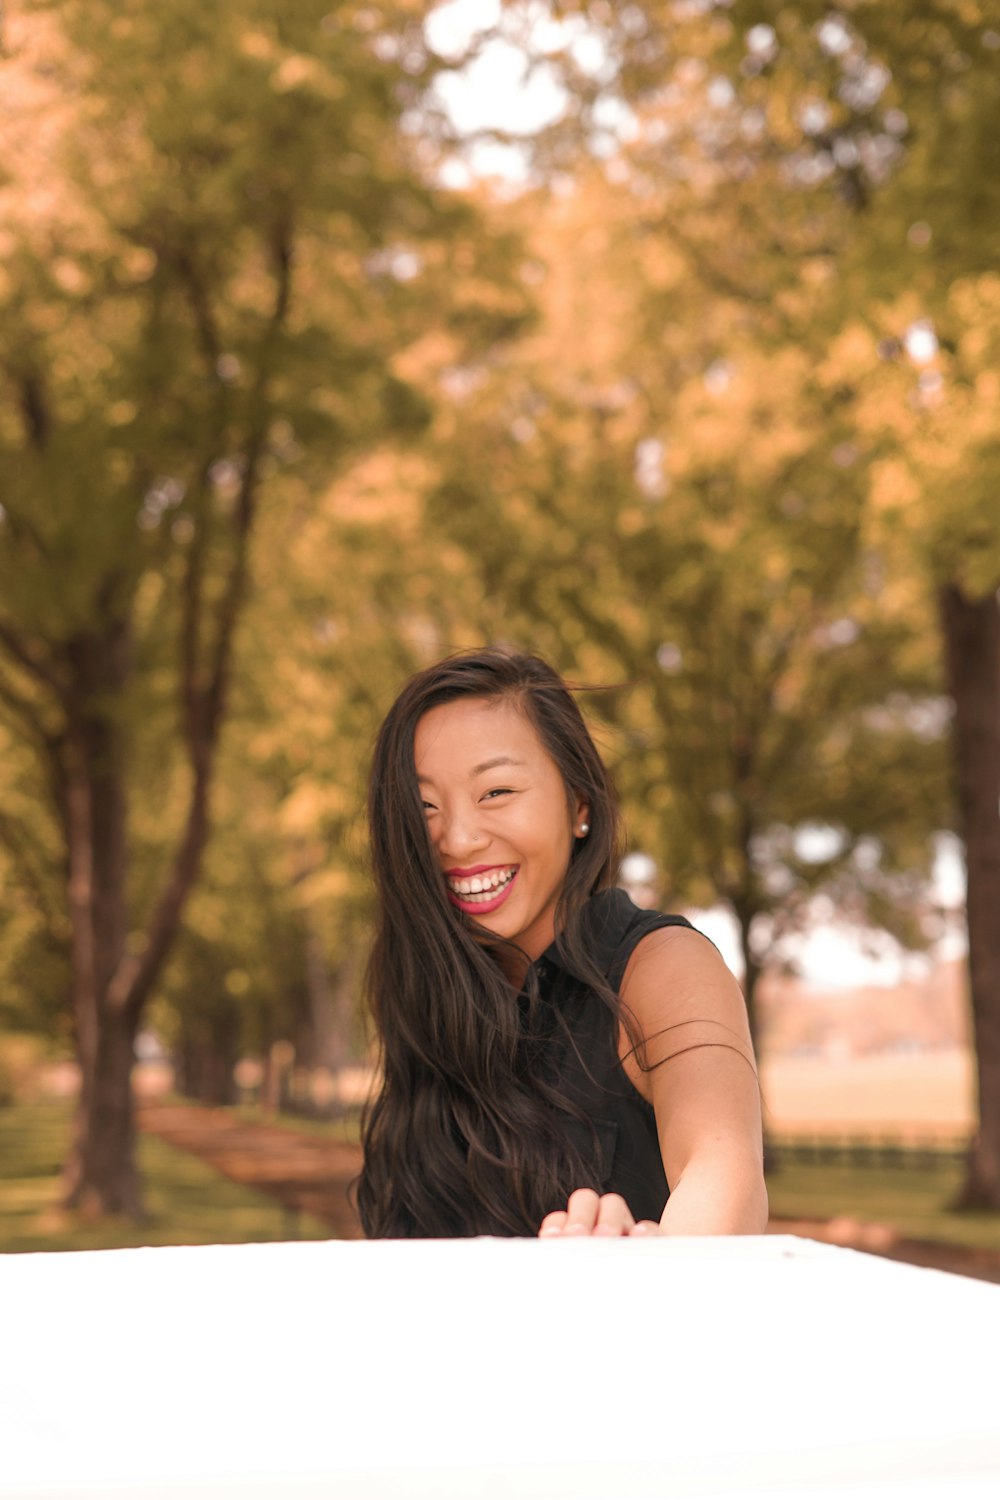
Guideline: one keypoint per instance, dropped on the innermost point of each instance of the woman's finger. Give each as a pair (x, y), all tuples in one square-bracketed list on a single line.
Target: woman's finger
[(578, 1217), (588, 1212), (614, 1216), (645, 1226), (581, 1211)]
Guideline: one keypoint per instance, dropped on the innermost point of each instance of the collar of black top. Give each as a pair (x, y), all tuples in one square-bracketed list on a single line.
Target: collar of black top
[(606, 920)]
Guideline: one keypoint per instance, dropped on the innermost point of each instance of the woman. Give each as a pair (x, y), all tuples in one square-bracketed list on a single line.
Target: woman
[(555, 1061)]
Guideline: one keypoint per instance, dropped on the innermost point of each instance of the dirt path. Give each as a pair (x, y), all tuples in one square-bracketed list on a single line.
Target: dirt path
[(311, 1174), (306, 1173)]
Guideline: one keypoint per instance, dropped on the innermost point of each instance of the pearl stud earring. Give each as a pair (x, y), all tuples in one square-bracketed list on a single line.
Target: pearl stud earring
[(583, 830)]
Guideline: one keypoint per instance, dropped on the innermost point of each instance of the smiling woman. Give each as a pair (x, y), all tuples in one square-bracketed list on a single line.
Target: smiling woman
[(554, 1059)]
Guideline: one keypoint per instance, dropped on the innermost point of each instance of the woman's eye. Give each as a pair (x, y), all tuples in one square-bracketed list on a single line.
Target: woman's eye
[(499, 791), (428, 807)]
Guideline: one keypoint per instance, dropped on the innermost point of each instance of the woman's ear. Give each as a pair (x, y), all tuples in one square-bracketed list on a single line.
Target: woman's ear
[(581, 821)]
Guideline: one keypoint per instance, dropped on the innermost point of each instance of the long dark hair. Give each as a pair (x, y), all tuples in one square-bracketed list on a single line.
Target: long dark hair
[(463, 1136)]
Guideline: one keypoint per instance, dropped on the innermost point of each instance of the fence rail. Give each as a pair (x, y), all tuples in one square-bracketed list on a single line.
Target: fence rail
[(866, 1150)]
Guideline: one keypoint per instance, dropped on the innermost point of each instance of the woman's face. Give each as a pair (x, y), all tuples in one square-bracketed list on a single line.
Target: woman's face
[(499, 816)]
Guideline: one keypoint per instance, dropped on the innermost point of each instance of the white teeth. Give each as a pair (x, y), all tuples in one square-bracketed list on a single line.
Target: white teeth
[(483, 887)]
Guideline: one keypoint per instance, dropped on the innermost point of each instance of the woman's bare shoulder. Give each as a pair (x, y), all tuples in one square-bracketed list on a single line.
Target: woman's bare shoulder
[(680, 954), (681, 992)]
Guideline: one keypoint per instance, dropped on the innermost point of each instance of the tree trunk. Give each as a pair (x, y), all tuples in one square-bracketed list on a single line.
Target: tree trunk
[(346, 984), (275, 1085), (972, 658), (745, 910), (321, 1044), (331, 1000), (742, 893), (751, 974), (205, 1059), (221, 1057), (186, 1061), (100, 1176)]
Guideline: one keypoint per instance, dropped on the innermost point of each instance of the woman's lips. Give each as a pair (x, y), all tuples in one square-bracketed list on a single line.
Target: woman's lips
[(478, 908)]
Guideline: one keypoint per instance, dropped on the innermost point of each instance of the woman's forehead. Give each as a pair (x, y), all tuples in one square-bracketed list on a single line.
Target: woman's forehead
[(472, 735)]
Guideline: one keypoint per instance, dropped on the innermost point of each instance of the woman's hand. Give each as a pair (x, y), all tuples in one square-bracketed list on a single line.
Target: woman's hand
[(587, 1212)]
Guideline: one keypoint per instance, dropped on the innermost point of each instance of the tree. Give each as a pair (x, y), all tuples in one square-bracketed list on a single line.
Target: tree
[(658, 488), (922, 337), (929, 417), (274, 943), (884, 118), (214, 217)]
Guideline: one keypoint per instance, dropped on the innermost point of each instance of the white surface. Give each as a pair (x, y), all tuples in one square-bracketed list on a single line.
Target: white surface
[(453, 1370)]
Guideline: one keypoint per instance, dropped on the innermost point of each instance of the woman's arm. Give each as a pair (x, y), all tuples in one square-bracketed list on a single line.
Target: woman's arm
[(702, 1083)]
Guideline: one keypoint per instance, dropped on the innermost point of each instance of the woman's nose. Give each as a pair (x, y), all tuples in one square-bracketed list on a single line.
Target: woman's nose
[(460, 834)]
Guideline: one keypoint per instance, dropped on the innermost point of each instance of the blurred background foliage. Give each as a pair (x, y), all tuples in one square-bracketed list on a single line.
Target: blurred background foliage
[(698, 399)]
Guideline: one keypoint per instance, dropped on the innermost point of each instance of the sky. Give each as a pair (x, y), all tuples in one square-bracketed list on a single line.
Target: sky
[(495, 91), (835, 955)]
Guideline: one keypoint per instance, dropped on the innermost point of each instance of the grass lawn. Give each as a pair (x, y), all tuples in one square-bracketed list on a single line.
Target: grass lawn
[(186, 1202), (912, 1200), (189, 1204)]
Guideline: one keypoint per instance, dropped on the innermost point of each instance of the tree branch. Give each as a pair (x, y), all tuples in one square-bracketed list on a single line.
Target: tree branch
[(28, 658), (19, 526), (208, 334), (34, 409), (192, 597), (17, 847), (23, 709), (204, 708)]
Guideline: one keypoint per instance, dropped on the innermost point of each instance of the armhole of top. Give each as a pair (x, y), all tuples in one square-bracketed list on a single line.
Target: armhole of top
[(652, 922)]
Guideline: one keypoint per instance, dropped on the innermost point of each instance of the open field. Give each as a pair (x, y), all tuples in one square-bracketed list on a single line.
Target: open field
[(919, 1094), (924, 1094)]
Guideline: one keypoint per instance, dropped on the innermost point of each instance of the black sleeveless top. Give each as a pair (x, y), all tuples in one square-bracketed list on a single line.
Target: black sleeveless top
[(589, 1070)]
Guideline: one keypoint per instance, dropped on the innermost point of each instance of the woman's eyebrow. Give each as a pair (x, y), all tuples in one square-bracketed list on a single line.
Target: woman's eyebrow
[(498, 760), (487, 765)]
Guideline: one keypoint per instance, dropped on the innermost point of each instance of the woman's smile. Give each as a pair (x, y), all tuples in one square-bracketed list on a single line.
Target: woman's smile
[(485, 890)]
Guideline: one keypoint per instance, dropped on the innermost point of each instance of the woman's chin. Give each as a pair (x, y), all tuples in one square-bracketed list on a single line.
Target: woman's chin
[(500, 923)]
